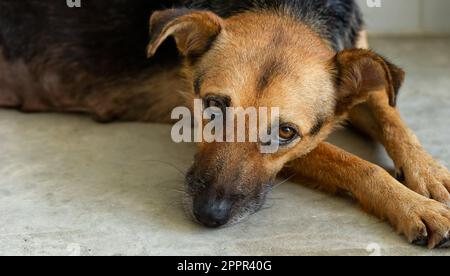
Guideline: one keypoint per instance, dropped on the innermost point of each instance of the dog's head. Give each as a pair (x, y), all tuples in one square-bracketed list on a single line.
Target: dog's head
[(263, 60)]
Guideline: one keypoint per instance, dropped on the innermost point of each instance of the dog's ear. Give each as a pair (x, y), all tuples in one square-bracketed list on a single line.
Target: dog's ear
[(194, 31), (360, 72)]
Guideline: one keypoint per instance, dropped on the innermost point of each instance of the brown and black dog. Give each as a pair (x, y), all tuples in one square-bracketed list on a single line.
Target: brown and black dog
[(309, 58)]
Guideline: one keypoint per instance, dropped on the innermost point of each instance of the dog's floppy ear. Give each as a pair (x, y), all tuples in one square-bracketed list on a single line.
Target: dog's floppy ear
[(360, 72), (194, 31)]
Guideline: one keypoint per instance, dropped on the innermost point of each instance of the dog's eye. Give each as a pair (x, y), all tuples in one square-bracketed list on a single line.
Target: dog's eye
[(212, 103), (216, 106), (216, 102), (287, 134)]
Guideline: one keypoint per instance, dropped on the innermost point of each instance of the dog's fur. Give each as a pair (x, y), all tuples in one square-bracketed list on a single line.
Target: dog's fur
[(298, 55)]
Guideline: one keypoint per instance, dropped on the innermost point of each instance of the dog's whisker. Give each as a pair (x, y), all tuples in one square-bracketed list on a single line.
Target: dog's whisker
[(168, 164), (275, 198), (284, 181), (172, 185), (267, 208)]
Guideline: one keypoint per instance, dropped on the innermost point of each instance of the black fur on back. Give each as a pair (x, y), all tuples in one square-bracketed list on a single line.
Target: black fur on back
[(110, 36), (338, 21), (105, 36)]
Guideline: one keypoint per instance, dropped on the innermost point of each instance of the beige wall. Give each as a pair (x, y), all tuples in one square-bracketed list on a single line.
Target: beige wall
[(407, 16)]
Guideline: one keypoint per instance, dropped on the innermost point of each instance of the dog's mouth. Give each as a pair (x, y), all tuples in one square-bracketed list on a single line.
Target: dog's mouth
[(216, 211)]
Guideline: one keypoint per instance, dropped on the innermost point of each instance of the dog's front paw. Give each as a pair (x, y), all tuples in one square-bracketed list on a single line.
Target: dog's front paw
[(427, 223), (425, 176)]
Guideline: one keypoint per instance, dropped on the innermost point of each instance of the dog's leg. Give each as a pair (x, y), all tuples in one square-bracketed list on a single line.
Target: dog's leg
[(415, 167), (420, 219)]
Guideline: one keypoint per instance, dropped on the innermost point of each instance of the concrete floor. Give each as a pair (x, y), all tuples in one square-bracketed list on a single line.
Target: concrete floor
[(69, 186)]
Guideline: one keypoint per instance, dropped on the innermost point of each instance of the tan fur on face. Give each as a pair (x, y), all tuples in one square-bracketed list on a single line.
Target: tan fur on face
[(282, 64)]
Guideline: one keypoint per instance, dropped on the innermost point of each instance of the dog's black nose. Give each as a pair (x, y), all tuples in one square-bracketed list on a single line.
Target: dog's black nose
[(212, 213)]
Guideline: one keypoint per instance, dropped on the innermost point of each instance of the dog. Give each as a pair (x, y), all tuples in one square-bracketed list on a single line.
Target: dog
[(310, 58)]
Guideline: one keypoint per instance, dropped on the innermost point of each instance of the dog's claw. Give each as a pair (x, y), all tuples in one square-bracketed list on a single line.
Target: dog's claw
[(445, 243), (422, 238), (421, 241), (428, 224), (426, 177)]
